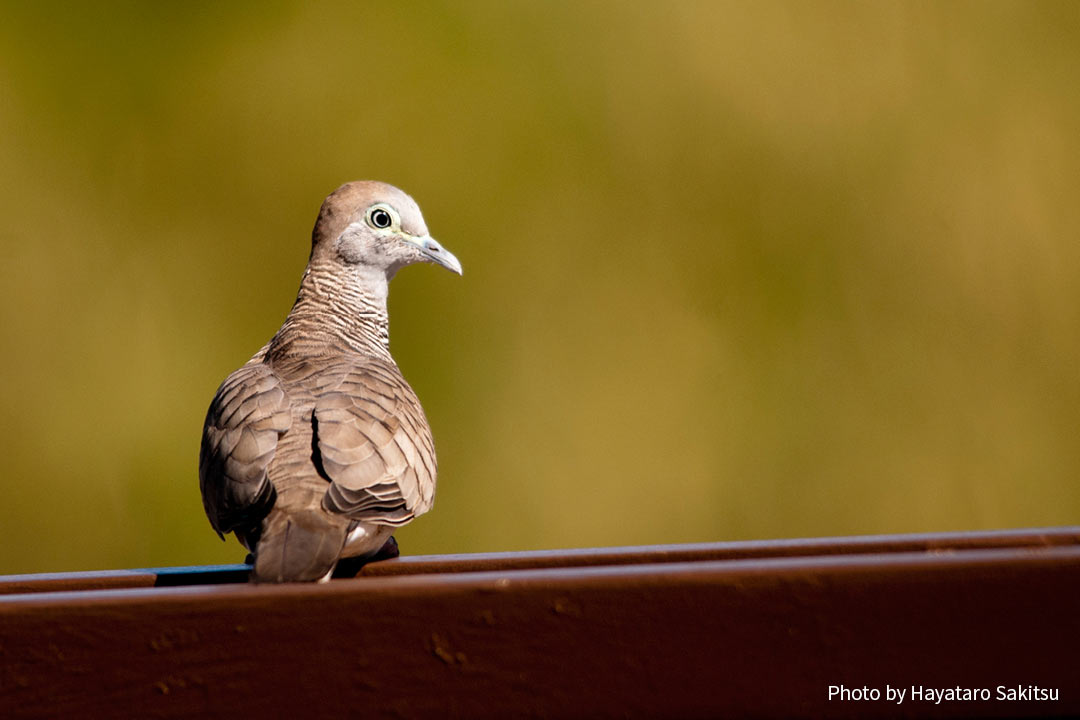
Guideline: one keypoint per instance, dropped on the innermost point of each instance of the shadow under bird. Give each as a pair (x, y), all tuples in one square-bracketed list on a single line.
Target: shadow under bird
[(317, 448)]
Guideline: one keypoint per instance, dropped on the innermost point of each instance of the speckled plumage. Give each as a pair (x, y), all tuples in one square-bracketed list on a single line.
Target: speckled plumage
[(317, 448)]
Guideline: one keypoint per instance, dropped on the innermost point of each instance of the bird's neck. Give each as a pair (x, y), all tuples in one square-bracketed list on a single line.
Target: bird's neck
[(337, 311)]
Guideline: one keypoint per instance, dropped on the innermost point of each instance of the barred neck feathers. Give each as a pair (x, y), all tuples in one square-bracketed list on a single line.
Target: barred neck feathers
[(338, 309)]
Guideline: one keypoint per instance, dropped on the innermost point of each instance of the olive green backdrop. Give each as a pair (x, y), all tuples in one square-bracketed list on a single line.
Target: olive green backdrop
[(732, 270)]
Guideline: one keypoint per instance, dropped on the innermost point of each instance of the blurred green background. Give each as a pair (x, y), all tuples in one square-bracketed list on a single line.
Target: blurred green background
[(732, 270)]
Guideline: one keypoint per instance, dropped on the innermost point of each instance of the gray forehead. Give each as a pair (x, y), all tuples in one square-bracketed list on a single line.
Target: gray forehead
[(412, 220)]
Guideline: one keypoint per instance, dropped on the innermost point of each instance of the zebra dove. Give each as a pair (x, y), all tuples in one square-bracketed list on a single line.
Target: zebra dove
[(317, 448)]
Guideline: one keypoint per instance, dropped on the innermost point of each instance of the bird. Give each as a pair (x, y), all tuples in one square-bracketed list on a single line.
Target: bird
[(317, 448)]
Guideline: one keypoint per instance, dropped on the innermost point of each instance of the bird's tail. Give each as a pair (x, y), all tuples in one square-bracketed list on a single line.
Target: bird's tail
[(297, 547)]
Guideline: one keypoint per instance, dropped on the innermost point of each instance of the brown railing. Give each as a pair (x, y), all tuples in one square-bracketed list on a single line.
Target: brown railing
[(791, 628)]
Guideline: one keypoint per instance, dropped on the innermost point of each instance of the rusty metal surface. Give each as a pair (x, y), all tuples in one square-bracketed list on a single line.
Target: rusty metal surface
[(116, 579), (576, 557), (761, 637), (91, 580), (927, 542)]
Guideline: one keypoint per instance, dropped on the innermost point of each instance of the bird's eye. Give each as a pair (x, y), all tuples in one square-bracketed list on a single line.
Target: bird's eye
[(379, 218)]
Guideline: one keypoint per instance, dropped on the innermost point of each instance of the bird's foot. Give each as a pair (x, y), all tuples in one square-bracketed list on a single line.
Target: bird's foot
[(389, 550), (350, 567)]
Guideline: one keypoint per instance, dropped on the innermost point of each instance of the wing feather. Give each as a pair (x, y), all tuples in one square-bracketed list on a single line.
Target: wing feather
[(375, 446), (247, 416)]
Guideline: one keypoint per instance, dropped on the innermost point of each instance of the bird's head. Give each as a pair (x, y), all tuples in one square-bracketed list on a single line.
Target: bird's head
[(378, 226)]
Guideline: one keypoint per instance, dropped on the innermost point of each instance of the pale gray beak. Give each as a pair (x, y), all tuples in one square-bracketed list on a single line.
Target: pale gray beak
[(438, 254)]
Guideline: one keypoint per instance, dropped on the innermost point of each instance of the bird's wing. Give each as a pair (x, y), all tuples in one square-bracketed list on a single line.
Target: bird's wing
[(375, 446), (247, 416)]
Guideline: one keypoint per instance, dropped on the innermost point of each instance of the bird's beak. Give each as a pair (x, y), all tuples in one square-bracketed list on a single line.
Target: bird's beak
[(437, 254)]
